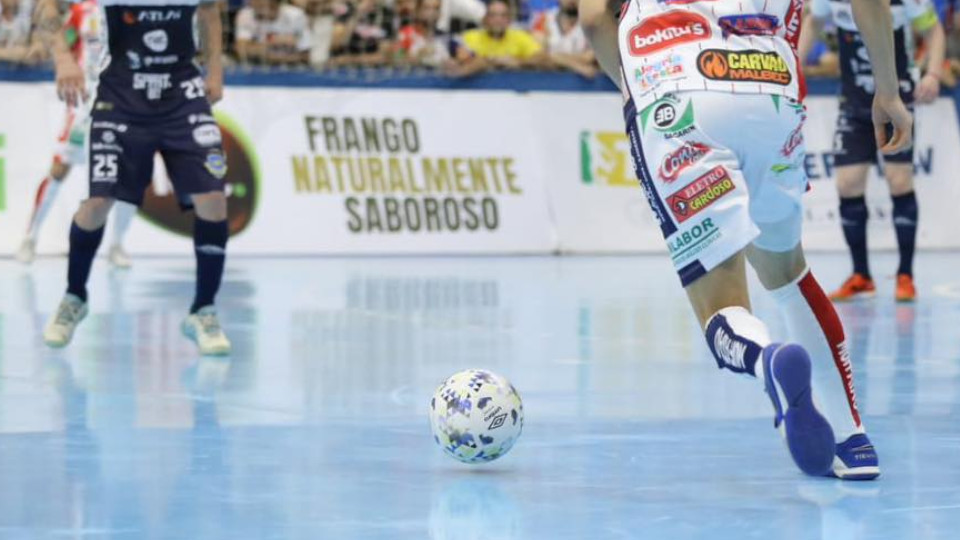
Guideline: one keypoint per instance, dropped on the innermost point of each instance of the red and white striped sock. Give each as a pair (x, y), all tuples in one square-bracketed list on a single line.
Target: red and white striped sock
[(46, 194), (813, 323)]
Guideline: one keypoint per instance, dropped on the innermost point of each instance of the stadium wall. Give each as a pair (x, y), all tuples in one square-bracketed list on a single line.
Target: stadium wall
[(389, 164)]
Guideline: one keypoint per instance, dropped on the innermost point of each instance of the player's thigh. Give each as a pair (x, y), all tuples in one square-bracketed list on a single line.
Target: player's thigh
[(852, 179), (120, 164), (693, 183), (192, 150)]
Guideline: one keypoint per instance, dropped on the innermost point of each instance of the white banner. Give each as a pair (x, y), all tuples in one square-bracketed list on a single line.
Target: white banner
[(315, 171)]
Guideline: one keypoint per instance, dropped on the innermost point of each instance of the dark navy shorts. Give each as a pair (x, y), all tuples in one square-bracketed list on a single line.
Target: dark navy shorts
[(122, 149), (855, 144)]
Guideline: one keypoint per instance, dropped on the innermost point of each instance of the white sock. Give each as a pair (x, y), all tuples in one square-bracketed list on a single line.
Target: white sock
[(814, 324), (123, 213), (46, 194), (737, 339)]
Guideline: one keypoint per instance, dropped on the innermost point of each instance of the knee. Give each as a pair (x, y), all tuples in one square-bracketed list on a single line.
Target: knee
[(211, 206), (851, 182), (93, 212), (59, 171), (900, 179)]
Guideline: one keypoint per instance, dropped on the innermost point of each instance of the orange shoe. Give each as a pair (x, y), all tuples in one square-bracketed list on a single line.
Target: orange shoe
[(856, 286), (906, 292)]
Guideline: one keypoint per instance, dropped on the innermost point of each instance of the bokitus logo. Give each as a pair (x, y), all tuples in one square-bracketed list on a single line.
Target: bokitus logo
[(242, 178), (605, 159)]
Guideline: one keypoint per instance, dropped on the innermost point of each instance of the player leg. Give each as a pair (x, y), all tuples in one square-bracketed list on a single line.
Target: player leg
[(701, 199), (70, 150), (899, 172), (42, 202), (854, 152), (120, 166), (123, 214), (812, 321), (197, 166)]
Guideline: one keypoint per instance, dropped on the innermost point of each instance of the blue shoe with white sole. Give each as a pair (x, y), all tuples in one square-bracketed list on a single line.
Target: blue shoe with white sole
[(856, 459), (787, 376)]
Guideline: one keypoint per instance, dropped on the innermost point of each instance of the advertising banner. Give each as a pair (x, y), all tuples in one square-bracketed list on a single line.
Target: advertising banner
[(359, 171)]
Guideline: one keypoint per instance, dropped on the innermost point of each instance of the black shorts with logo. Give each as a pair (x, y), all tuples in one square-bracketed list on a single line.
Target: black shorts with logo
[(122, 148), (854, 142)]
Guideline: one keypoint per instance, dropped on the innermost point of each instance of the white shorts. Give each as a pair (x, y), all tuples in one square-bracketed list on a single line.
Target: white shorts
[(720, 171), (71, 147)]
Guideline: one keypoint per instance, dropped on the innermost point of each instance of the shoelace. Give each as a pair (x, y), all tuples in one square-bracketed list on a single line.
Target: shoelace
[(209, 324), (67, 314)]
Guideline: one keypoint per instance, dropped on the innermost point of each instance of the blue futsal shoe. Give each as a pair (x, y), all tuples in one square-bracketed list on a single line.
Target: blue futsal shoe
[(856, 459), (787, 372)]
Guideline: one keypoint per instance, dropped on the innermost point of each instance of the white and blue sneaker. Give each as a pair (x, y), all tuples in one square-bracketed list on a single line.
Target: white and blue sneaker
[(856, 459), (787, 372)]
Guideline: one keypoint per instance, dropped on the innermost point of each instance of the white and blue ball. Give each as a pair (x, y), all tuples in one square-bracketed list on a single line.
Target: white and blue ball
[(476, 416)]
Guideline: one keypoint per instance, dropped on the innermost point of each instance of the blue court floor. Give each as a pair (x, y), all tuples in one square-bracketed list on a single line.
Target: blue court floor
[(316, 427)]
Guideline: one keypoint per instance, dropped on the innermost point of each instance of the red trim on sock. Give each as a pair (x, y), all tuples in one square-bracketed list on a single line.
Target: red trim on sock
[(832, 328), (37, 200)]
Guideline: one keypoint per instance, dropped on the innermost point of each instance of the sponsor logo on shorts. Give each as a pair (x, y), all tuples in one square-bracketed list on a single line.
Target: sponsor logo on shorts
[(759, 24), (240, 182), (207, 135), (701, 193), (102, 124), (794, 140), (108, 137), (156, 40), (103, 106), (746, 66), (201, 118), (677, 161), (686, 245), (668, 68), (216, 164), (667, 118), (670, 29)]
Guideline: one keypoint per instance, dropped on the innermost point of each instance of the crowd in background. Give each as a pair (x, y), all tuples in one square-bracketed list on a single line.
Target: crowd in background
[(455, 37)]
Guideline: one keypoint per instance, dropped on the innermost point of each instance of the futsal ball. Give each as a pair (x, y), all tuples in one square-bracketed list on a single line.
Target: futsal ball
[(476, 416)]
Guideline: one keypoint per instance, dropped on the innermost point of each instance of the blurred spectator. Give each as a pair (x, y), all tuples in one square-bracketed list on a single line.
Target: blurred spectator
[(421, 43), (559, 31), (465, 11), (15, 43), (364, 33), (406, 12), (530, 11), (497, 45), (321, 21), (272, 33)]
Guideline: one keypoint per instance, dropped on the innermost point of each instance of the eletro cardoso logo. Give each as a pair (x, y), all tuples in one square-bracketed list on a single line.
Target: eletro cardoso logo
[(389, 182), (748, 66), (700, 193), (237, 166)]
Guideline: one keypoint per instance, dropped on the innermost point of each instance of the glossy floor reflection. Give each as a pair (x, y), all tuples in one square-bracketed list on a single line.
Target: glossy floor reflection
[(316, 427)]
